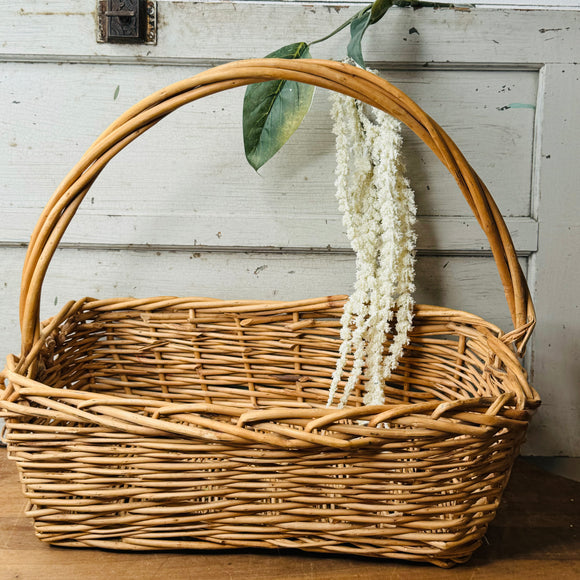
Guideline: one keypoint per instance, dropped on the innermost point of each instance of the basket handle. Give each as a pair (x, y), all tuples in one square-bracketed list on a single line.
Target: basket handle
[(335, 76)]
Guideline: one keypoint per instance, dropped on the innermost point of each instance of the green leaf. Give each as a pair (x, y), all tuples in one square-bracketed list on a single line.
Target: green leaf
[(357, 30), (379, 9), (273, 110)]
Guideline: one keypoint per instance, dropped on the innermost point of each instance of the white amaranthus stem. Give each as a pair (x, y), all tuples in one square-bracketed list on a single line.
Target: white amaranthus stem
[(378, 214)]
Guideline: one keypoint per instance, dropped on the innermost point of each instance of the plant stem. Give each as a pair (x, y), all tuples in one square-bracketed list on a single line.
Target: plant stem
[(342, 26), (399, 3)]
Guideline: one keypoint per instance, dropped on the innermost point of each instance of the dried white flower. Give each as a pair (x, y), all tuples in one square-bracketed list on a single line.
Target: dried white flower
[(378, 213)]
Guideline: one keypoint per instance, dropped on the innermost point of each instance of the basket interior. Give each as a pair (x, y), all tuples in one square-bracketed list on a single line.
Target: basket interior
[(259, 358)]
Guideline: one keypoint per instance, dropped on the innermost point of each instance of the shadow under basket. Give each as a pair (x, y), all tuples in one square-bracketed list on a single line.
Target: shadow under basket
[(193, 423)]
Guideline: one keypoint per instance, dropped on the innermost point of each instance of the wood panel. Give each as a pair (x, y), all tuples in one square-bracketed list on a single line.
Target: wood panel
[(187, 33), (449, 235), (555, 275), (191, 166)]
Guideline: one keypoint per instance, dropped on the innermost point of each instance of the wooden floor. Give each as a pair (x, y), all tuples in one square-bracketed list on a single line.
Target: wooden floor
[(535, 535)]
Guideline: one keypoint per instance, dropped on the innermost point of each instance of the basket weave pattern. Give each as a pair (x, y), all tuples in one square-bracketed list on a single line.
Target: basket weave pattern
[(165, 422)]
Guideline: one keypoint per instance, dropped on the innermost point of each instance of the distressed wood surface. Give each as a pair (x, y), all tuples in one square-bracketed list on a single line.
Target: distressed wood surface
[(449, 234), (187, 33), (528, 539), (555, 275), (201, 148)]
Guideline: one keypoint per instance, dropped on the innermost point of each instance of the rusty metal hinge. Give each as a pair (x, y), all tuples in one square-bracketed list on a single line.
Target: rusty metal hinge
[(127, 21)]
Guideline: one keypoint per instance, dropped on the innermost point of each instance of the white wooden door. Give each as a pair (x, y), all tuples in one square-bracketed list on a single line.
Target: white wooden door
[(180, 212)]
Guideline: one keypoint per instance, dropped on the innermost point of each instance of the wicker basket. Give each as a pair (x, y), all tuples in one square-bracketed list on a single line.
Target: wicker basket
[(193, 423)]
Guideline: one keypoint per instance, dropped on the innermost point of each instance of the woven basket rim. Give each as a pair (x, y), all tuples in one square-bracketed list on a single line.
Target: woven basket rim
[(147, 304), (522, 400)]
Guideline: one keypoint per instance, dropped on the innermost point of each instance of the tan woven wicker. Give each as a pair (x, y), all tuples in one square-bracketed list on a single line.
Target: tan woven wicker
[(194, 423)]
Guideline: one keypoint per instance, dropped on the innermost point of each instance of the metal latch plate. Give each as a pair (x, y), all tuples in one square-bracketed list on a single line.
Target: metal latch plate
[(127, 21)]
